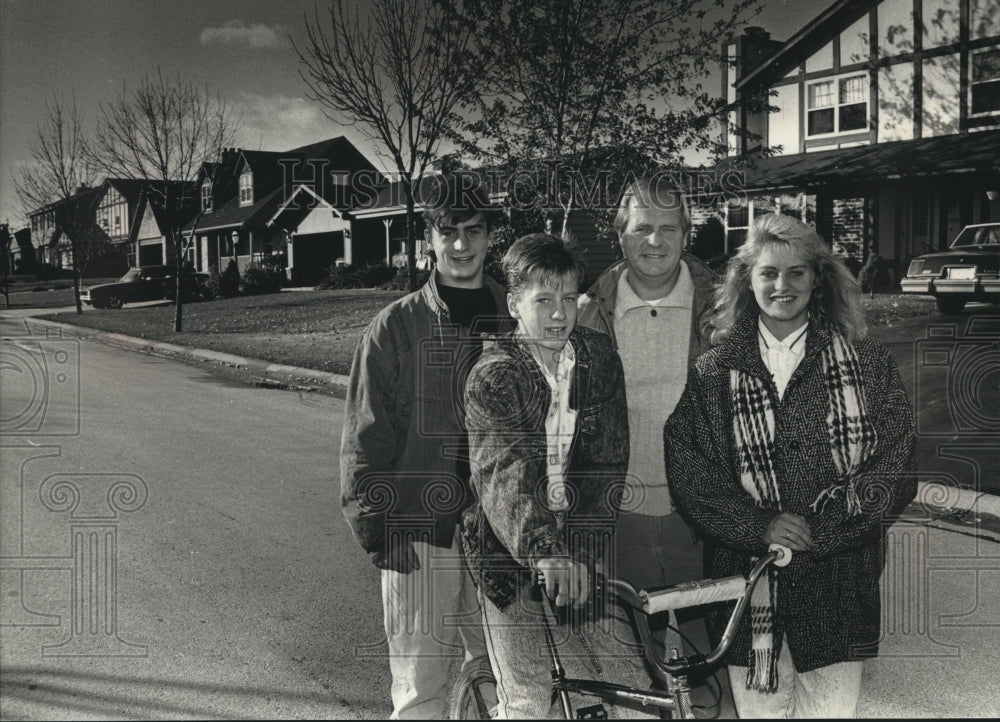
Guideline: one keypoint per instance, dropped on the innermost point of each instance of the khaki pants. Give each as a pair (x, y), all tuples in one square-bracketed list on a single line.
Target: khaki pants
[(431, 615)]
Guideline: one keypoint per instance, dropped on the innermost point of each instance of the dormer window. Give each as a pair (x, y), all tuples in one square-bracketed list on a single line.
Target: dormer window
[(246, 188), (206, 195)]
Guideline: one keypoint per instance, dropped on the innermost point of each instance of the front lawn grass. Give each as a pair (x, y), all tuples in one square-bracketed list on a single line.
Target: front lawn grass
[(319, 329)]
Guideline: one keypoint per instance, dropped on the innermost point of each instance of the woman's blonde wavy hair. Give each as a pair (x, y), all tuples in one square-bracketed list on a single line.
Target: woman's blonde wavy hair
[(835, 297)]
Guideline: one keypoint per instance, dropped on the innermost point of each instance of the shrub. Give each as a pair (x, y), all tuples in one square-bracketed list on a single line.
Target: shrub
[(401, 280), (503, 238), (45, 271), (354, 275), (261, 279), (874, 276), (225, 284)]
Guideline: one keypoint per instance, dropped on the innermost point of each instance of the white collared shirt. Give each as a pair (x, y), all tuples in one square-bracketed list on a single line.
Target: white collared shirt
[(654, 339), (781, 357), (560, 424)]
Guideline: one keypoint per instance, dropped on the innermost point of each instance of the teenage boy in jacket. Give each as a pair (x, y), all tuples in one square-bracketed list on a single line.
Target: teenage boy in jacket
[(404, 451)]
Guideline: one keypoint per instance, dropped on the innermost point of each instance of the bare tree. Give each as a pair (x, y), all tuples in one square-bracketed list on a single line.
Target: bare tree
[(162, 133), (596, 89), (59, 167), (396, 69)]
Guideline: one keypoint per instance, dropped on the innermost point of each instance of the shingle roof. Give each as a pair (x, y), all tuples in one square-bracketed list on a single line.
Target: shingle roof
[(940, 156), (232, 215)]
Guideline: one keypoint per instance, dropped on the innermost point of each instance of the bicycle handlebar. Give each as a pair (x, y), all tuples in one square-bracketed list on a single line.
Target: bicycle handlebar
[(705, 591), (692, 594)]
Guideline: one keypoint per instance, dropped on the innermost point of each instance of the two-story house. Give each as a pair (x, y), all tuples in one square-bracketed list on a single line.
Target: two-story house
[(131, 213), (287, 209), (881, 121), (69, 224)]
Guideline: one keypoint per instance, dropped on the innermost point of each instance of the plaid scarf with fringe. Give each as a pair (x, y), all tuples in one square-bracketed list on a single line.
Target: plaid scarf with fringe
[(852, 441)]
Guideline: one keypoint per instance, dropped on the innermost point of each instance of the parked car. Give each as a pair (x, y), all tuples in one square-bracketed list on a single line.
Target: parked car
[(149, 283), (968, 271)]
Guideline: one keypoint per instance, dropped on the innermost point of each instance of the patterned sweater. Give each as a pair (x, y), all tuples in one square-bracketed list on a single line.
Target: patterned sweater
[(510, 526), (828, 604)]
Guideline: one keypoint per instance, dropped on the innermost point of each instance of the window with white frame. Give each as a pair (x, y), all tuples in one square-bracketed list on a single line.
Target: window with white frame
[(838, 105), (206, 195), (984, 88), (246, 188), (737, 224)]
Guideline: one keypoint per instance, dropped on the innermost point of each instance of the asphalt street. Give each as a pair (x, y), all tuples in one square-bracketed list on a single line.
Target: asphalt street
[(172, 545)]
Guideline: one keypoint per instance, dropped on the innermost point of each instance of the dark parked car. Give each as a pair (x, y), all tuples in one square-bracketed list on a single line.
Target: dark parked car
[(149, 283), (968, 271)]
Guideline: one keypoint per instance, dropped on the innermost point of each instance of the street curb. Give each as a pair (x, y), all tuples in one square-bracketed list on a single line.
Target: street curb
[(295, 374)]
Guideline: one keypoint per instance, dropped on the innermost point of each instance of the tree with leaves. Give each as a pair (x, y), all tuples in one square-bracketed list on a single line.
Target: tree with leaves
[(57, 170), (397, 70), (580, 93), (161, 133)]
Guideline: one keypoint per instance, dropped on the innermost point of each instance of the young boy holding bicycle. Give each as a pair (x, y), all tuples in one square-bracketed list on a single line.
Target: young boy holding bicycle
[(548, 437)]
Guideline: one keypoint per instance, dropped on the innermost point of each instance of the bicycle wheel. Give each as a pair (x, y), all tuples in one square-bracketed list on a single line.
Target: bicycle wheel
[(467, 700)]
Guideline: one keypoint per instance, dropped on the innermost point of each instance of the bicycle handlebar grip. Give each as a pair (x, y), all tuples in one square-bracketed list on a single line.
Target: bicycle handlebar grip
[(691, 594), (784, 555)]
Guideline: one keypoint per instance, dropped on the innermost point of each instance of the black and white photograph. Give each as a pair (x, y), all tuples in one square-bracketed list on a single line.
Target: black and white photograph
[(511, 359)]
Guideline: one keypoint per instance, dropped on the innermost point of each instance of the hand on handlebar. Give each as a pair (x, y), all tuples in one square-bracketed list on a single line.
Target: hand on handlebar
[(790, 530), (565, 580)]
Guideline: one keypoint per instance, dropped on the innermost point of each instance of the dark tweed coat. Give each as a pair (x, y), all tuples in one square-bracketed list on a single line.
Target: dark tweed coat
[(828, 598), (507, 399)]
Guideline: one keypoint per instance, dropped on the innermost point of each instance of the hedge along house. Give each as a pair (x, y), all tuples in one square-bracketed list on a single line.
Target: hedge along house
[(883, 130), (254, 208)]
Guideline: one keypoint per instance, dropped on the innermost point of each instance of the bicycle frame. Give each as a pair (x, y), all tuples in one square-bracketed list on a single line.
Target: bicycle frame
[(677, 697)]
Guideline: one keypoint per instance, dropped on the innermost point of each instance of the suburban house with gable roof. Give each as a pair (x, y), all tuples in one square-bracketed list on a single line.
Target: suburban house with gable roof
[(286, 209), (883, 128)]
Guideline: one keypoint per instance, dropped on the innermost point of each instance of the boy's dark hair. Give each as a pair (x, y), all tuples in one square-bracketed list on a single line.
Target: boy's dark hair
[(453, 197), (541, 257)]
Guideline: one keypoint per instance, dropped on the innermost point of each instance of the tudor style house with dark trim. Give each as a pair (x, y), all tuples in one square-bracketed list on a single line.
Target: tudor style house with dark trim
[(883, 127), (286, 209)]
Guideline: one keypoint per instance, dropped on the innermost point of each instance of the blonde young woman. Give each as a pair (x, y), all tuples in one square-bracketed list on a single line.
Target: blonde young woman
[(794, 429)]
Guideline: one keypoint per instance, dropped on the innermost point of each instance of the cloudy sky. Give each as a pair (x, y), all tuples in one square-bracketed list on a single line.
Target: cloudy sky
[(241, 49)]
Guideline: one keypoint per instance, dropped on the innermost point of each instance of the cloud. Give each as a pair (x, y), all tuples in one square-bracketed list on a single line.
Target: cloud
[(279, 122), (236, 32)]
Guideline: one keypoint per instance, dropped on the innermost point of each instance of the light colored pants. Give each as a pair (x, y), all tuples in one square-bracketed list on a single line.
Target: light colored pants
[(830, 691), (430, 615), (603, 649)]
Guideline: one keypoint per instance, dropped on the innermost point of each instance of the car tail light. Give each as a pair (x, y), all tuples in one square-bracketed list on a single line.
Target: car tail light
[(916, 266)]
